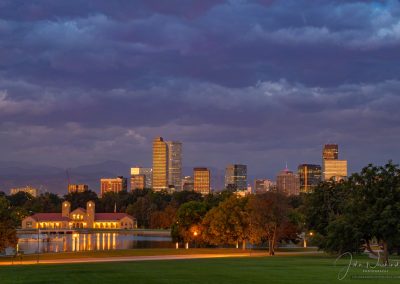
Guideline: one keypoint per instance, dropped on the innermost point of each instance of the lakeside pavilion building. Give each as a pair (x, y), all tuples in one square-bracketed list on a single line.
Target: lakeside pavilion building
[(79, 218)]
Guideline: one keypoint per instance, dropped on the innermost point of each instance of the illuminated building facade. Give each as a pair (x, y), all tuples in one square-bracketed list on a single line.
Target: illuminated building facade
[(138, 182), (310, 176), (174, 164), (202, 179), (160, 164), (147, 172), (79, 218), (330, 152), (27, 189), (332, 167), (77, 188), (263, 186), (288, 183), (236, 177), (335, 169), (113, 185)]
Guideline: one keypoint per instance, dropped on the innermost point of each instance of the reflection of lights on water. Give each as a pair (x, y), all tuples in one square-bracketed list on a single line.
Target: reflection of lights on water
[(114, 242), (97, 241)]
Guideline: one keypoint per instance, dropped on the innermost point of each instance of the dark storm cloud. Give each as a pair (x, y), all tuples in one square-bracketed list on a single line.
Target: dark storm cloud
[(247, 80)]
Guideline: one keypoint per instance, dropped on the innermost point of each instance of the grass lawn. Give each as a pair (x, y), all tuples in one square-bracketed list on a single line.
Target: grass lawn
[(138, 252), (277, 269)]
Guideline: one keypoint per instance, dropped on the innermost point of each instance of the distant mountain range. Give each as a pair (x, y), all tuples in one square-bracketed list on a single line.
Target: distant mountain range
[(54, 179)]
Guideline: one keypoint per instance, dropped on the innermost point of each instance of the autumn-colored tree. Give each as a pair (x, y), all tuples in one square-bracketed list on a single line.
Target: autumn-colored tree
[(163, 219), (228, 223), (269, 218)]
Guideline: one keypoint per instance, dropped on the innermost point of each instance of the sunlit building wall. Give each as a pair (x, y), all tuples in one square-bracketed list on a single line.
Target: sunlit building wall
[(138, 182), (263, 186), (113, 185), (77, 188), (330, 152), (160, 164), (147, 172), (27, 189), (202, 180), (336, 169)]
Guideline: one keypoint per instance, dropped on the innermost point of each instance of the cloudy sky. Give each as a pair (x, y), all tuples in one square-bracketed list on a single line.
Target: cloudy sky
[(255, 82)]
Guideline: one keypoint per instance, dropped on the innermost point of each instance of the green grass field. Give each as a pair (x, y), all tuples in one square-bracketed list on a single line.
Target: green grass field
[(277, 269), (137, 252)]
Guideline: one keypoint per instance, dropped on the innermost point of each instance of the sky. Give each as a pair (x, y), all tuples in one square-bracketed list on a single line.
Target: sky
[(262, 83)]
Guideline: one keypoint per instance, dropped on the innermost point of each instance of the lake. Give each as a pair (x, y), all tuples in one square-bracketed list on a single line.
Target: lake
[(30, 243)]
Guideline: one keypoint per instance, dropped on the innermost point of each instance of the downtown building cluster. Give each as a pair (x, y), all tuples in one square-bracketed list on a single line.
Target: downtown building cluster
[(166, 174)]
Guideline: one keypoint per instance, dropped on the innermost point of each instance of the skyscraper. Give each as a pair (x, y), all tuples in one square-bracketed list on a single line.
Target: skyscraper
[(335, 169), (263, 186), (113, 185), (330, 152), (138, 182), (331, 165), (77, 188), (201, 180), (236, 177), (288, 183), (310, 176), (174, 164), (147, 172), (160, 164), (187, 183)]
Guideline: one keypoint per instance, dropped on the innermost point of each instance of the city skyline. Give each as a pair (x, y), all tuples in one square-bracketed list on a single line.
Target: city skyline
[(288, 77)]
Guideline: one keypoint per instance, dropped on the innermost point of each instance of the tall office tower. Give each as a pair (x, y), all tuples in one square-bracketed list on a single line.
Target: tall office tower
[(27, 189), (288, 183), (330, 152), (187, 183), (335, 169), (174, 164), (113, 185), (310, 176), (77, 188), (138, 182), (160, 164), (236, 177), (332, 167), (147, 172), (263, 186), (201, 180)]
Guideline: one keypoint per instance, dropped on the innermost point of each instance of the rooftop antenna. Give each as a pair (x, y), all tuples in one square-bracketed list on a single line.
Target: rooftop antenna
[(286, 166)]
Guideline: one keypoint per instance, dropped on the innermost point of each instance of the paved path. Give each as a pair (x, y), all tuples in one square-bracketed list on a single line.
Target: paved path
[(146, 258)]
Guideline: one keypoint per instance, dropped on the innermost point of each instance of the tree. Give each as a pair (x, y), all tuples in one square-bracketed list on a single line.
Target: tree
[(142, 210), (269, 218), (8, 234), (189, 216), (79, 199), (228, 223), (163, 219)]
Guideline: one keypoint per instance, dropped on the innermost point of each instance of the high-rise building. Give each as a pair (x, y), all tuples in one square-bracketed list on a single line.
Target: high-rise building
[(263, 185), (77, 188), (147, 172), (187, 183), (336, 169), (160, 164), (310, 176), (330, 152), (288, 183), (27, 189), (332, 167), (174, 164), (202, 180), (236, 177), (113, 185), (138, 182)]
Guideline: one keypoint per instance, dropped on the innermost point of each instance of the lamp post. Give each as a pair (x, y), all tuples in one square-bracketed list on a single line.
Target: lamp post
[(195, 233)]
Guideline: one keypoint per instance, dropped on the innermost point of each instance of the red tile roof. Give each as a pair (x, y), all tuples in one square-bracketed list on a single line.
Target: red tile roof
[(110, 216), (49, 217)]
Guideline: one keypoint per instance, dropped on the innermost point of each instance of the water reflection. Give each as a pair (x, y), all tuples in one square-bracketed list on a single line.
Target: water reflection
[(87, 242)]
